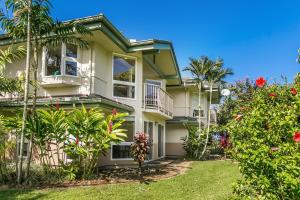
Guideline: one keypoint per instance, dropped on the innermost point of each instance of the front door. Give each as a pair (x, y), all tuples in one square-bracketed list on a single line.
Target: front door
[(161, 141)]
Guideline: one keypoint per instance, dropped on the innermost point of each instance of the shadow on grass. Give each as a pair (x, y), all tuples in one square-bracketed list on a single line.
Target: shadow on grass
[(28, 194)]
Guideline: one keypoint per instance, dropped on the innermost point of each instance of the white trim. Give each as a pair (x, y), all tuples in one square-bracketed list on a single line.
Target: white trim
[(120, 144), (111, 144), (153, 127), (164, 142), (124, 82), (27, 142), (64, 58), (153, 80)]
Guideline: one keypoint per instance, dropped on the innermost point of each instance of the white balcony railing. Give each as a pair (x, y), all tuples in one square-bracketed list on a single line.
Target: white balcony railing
[(156, 99)]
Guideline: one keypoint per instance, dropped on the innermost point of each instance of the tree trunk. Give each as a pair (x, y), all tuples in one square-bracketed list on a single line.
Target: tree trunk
[(35, 73), (208, 119), (26, 92), (199, 108), (199, 116)]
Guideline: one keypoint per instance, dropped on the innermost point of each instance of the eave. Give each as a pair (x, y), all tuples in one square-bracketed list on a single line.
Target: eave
[(100, 22), (68, 102)]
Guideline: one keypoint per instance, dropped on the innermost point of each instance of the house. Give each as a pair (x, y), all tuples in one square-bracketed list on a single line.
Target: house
[(141, 77)]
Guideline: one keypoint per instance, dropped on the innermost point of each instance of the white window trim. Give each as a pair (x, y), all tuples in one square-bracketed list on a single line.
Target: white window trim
[(164, 144), (153, 129), (119, 144), (153, 80), (124, 82), (25, 141), (64, 58), (111, 144)]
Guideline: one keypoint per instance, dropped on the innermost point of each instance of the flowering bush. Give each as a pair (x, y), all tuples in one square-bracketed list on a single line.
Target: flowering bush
[(140, 148), (264, 132)]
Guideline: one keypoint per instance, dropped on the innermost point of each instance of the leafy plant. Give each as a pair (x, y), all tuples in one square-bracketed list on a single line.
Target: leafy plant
[(89, 135), (264, 132), (140, 148)]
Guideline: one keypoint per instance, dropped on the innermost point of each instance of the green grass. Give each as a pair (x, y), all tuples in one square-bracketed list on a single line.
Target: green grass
[(205, 180)]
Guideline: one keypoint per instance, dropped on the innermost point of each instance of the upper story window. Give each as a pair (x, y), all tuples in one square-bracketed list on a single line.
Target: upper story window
[(61, 60), (124, 69)]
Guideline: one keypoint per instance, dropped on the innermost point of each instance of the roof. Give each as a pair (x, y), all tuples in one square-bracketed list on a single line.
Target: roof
[(100, 22), (68, 101)]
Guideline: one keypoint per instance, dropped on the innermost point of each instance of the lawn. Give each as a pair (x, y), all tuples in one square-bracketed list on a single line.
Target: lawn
[(205, 180)]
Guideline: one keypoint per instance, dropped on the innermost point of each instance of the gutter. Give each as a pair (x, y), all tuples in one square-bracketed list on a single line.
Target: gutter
[(74, 101)]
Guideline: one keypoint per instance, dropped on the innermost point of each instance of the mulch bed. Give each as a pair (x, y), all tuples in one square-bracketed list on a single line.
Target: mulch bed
[(127, 175)]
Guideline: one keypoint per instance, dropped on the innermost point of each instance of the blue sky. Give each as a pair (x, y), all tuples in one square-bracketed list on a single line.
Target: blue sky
[(254, 37)]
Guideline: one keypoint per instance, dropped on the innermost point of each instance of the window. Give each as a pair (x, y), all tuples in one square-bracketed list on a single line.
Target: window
[(123, 76), (125, 91), (61, 60), (53, 61), (196, 113), (122, 150), (148, 128), (25, 149)]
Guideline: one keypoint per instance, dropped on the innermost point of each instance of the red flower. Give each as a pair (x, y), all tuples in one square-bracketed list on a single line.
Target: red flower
[(77, 140), (273, 94), (260, 82), (110, 126), (296, 137), (294, 91), (114, 112)]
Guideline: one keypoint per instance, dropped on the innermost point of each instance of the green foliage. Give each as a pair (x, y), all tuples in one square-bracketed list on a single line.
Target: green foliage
[(82, 134), (209, 180), (89, 135), (140, 148), (261, 132), (194, 143), (6, 147)]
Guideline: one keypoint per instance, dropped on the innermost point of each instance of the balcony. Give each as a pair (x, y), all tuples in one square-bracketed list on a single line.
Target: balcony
[(156, 100), (55, 81)]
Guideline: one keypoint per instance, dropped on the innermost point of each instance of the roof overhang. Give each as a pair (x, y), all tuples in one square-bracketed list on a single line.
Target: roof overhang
[(68, 102), (100, 22)]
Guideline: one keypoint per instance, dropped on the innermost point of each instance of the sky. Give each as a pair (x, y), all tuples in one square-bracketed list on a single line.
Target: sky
[(254, 37)]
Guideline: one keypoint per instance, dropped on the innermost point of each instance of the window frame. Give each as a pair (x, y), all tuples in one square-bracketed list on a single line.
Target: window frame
[(124, 143), (119, 144), (19, 143), (134, 84), (196, 108), (152, 145), (64, 58)]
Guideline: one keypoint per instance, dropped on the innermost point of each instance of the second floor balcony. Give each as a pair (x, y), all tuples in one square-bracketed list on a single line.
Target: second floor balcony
[(156, 100)]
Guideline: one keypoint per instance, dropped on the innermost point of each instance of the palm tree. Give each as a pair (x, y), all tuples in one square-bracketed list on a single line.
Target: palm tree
[(216, 74), (44, 32), (199, 69)]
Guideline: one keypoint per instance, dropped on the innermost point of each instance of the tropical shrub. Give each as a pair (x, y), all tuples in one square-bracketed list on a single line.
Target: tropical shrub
[(6, 146), (265, 137), (194, 143), (140, 148), (90, 135), (83, 135)]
